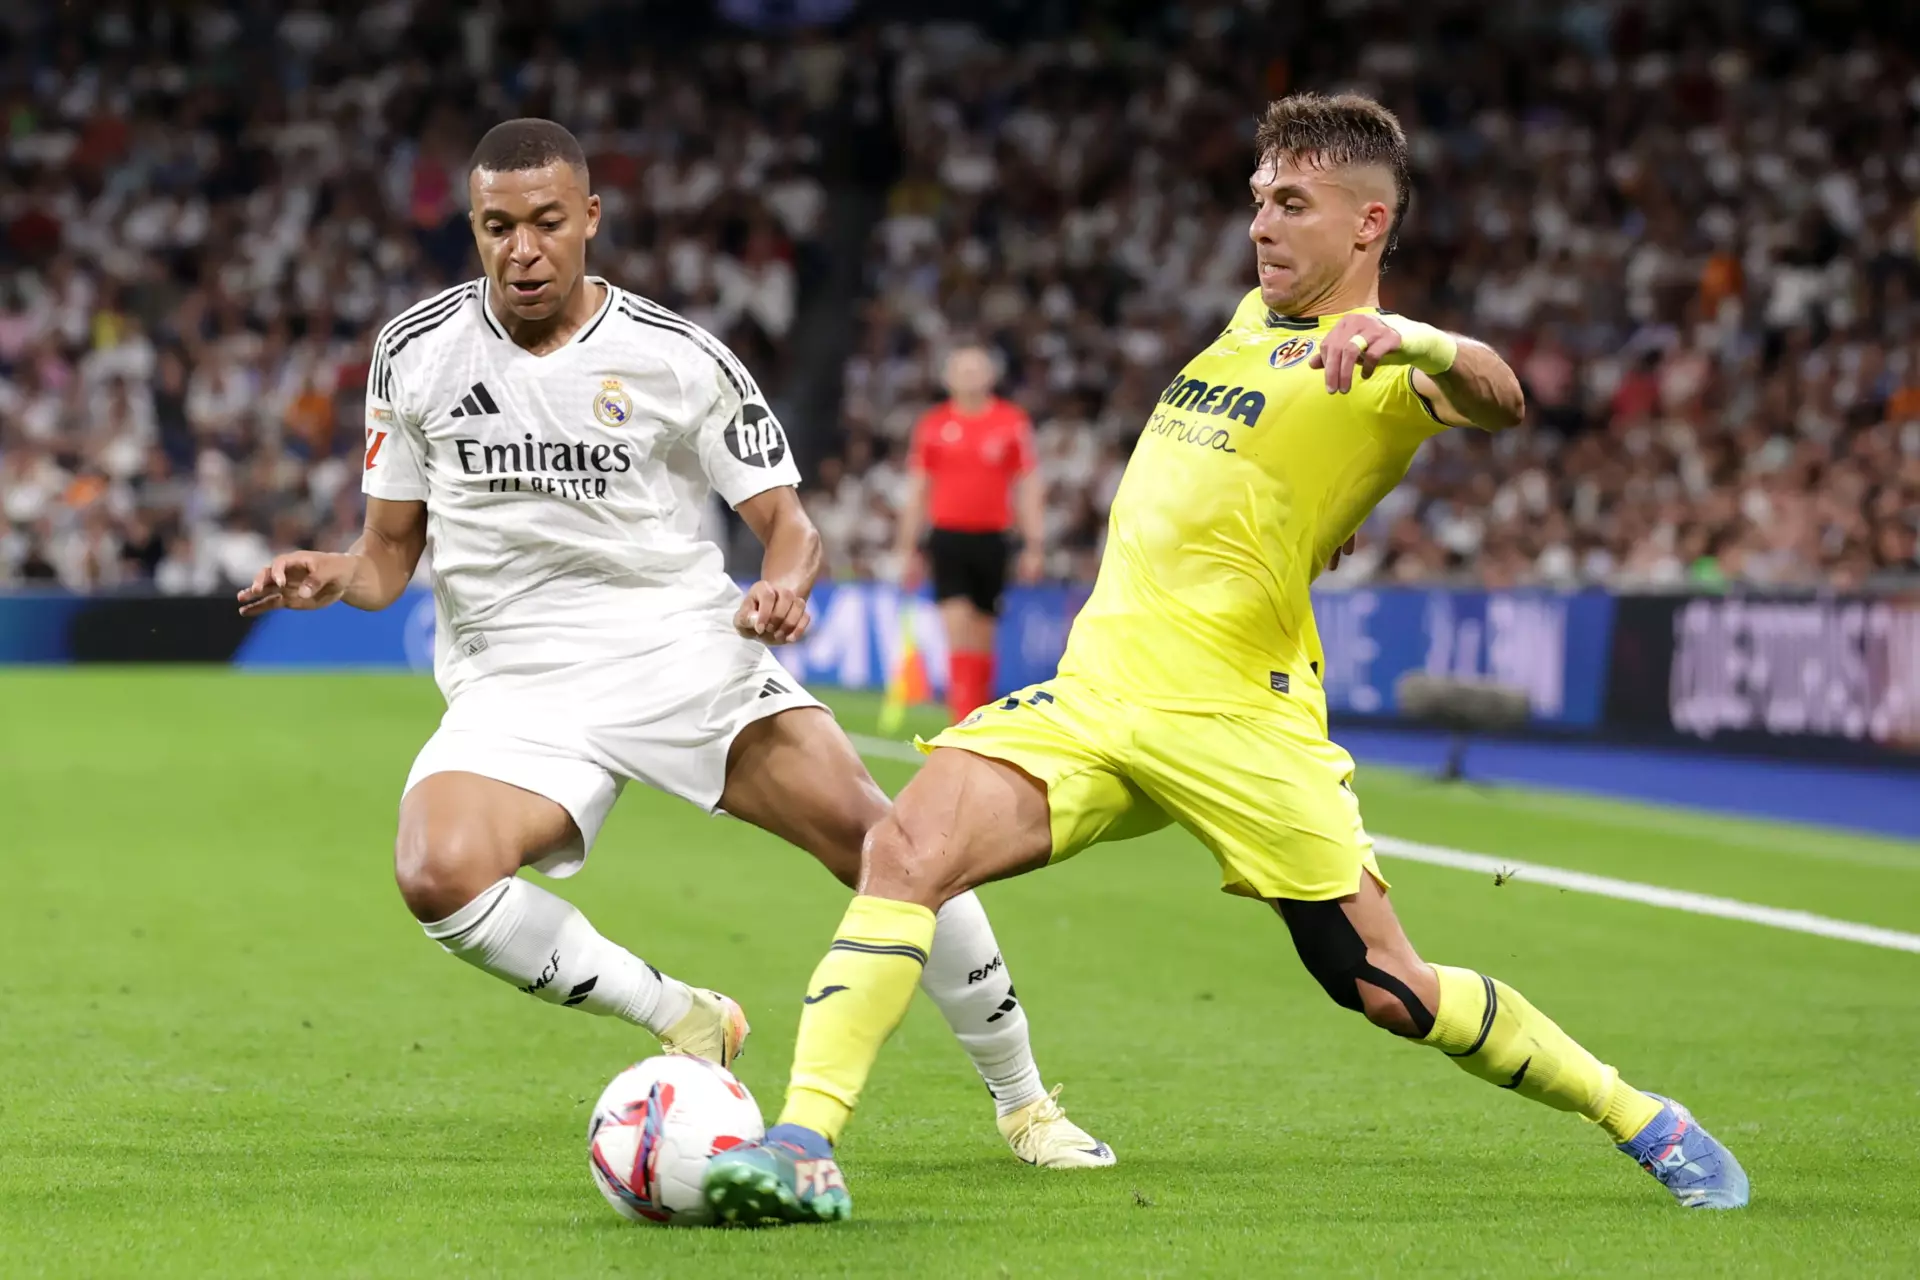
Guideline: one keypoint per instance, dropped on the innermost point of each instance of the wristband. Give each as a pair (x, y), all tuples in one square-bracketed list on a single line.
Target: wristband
[(1430, 350)]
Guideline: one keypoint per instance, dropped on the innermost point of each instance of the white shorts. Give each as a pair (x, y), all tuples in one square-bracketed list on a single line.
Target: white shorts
[(576, 734)]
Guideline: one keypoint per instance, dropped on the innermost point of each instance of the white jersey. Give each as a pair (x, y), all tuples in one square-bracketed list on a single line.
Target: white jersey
[(564, 492)]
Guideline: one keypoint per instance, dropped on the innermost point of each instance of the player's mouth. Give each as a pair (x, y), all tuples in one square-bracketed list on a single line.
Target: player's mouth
[(527, 290), (1270, 271)]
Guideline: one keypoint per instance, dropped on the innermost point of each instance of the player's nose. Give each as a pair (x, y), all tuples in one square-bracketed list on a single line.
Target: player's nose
[(524, 245)]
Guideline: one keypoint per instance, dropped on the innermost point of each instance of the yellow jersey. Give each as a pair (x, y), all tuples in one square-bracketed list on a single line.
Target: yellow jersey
[(1245, 480)]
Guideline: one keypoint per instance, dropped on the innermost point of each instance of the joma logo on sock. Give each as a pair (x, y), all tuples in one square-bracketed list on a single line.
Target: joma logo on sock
[(983, 972), (547, 975)]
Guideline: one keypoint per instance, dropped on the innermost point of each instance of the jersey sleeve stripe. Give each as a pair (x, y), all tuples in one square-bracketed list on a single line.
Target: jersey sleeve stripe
[(408, 325), (377, 373), (690, 333), (1424, 402), (427, 323), (421, 308), (712, 345)]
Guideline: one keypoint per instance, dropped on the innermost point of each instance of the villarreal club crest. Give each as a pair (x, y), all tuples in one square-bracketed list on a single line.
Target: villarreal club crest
[(1291, 352)]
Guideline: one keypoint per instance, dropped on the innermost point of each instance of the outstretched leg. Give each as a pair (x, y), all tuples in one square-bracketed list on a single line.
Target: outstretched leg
[(463, 839), (1356, 949), (797, 776), (962, 821)]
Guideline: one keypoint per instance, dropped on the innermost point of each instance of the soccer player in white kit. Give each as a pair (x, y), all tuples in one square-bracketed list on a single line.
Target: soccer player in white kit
[(553, 438)]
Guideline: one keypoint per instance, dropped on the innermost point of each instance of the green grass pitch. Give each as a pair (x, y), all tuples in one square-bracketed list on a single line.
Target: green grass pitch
[(225, 1048)]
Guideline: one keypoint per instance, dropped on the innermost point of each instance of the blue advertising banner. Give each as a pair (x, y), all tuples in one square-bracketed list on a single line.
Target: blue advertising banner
[(1552, 645), (398, 636), (1826, 676), (34, 625)]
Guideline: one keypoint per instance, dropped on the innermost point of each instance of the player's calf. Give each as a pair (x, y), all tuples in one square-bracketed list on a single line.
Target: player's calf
[(795, 774), (463, 840), (1358, 952)]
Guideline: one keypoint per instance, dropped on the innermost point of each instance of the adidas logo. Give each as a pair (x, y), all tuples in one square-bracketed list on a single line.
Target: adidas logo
[(773, 688), (476, 403)]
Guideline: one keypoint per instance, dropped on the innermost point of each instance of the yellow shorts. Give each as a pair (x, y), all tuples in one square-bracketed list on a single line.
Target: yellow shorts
[(1271, 796)]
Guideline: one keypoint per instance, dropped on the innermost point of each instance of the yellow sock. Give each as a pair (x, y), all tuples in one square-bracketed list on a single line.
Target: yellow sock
[(860, 991), (1491, 1031)]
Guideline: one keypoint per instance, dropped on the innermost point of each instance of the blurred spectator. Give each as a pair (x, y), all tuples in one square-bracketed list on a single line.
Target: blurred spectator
[(1694, 230), (210, 209), (1695, 240)]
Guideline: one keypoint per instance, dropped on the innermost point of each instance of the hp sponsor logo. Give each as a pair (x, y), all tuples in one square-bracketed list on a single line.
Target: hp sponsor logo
[(755, 437)]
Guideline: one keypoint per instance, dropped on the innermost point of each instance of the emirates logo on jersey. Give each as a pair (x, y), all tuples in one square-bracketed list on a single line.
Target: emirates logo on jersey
[(755, 437), (561, 468)]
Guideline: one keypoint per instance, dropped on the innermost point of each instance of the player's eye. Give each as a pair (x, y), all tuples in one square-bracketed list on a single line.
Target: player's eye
[(1294, 206), (551, 224)]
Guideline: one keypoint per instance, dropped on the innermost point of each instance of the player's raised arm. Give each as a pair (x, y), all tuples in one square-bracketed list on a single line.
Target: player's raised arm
[(775, 609), (1478, 389), (369, 575), (1465, 381)]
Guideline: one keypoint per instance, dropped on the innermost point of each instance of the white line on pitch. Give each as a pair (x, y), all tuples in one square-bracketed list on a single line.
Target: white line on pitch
[(1700, 904)]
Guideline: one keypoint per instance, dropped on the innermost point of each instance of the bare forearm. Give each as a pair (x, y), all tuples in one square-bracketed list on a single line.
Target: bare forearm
[(1481, 388), (792, 557), (383, 566)]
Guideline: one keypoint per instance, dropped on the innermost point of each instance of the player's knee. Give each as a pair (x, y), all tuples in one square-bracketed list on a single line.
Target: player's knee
[(1398, 992), (1388, 1010), (843, 846), (1394, 992), (440, 871), (898, 863)]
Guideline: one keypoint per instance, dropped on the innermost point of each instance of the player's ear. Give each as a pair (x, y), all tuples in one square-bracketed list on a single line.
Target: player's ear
[(593, 216), (1375, 220)]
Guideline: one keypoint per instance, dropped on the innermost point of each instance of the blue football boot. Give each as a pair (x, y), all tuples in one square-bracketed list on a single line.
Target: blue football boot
[(1690, 1162), (789, 1177)]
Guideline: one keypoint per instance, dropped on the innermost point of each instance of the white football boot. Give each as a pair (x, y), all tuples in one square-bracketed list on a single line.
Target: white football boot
[(713, 1027), (1041, 1134)]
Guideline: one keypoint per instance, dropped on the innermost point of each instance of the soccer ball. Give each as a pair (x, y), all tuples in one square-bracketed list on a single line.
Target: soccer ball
[(654, 1128)]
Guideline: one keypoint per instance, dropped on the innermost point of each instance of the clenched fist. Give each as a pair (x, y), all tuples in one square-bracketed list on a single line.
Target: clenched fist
[(772, 614)]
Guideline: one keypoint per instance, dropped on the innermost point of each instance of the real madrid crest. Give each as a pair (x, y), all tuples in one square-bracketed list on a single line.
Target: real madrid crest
[(613, 406), (1291, 352)]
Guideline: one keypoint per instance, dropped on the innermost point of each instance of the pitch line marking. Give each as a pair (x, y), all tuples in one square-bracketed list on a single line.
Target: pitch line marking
[(1700, 904)]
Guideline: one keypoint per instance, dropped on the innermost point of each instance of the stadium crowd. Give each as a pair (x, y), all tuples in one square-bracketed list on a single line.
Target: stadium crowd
[(211, 210), (1699, 246)]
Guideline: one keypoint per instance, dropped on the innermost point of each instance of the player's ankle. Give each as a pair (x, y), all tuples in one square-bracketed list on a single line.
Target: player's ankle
[(808, 1142)]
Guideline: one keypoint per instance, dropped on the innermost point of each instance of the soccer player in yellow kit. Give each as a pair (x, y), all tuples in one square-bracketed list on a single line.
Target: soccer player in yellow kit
[(1190, 690)]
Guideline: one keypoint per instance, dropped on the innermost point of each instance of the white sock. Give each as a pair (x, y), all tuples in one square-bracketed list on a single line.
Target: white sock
[(965, 976), (540, 943)]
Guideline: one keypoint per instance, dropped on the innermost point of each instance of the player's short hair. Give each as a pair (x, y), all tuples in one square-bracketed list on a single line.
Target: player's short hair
[(1343, 129), (528, 143)]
